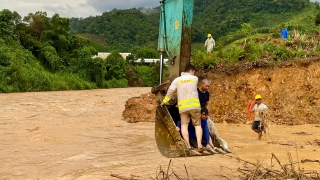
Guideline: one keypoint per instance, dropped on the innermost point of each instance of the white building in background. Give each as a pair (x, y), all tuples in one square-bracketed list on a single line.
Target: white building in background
[(104, 55), (149, 61)]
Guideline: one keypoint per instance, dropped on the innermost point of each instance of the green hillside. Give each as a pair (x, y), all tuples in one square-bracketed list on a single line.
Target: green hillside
[(125, 29), (38, 53), (122, 29)]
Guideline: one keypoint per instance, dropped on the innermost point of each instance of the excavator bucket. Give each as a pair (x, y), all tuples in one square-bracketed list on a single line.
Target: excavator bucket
[(170, 142)]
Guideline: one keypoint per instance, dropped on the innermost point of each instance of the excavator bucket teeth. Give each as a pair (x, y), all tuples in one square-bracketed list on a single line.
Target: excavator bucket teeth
[(220, 151), (212, 151), (206, 152)]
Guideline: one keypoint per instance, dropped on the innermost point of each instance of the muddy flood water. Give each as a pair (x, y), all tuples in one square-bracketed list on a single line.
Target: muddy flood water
[(81, 135)]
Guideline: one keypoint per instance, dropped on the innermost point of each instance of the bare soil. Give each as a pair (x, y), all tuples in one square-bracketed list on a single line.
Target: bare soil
[(291, 90), (140, 109)]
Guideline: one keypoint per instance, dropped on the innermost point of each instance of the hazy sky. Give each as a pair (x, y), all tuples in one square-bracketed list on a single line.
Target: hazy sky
[(73, 8)]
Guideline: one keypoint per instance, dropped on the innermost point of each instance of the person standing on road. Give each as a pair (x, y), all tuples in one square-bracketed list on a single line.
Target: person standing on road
[(188, 103), (257, 108), (210, 43)]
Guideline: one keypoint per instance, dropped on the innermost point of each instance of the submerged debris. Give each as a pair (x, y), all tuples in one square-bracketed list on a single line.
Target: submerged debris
[(302, 133), (132, 177), (285, 171), (288, 143), (316, 142)]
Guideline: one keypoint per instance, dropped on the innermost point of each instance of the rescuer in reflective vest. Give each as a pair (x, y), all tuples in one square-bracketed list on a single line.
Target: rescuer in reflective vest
[(188, 103)]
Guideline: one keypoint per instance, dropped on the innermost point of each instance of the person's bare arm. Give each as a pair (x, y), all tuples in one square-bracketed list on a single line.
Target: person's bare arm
[(207, 105)]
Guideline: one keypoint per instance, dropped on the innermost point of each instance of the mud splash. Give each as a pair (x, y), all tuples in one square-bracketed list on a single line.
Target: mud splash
[(81, 135)]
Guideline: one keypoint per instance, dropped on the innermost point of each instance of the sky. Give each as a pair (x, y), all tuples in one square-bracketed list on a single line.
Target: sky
[(73, 8)]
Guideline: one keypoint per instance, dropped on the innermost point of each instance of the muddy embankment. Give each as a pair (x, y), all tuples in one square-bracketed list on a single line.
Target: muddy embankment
[(291, 90)]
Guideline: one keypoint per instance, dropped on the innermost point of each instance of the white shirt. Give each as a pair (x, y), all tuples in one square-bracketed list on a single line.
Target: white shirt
[(187, 93), (210, 43), (257, 108)]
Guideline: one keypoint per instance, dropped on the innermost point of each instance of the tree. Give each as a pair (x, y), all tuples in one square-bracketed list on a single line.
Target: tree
[(115, 66), (50, 58), (38, 23), (246, 29), (317, 19), (6, 23), (147, 53), (130, 59)]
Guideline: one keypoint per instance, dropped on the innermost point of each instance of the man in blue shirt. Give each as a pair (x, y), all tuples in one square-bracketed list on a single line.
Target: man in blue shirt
[(203, 93), (284, 33), (192, 133)]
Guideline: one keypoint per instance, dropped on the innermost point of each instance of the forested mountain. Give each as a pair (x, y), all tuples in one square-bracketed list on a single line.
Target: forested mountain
[(126, 29), (122, 29), (223, 16)]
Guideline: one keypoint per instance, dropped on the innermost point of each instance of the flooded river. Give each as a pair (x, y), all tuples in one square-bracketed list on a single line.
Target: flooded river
[(81, 135)]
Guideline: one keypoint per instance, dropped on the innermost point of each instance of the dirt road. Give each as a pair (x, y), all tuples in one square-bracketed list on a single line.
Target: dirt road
[(81, 135)]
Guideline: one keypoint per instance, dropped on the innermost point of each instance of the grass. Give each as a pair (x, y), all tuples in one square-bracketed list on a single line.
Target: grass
[(98, 47), (258, 48)]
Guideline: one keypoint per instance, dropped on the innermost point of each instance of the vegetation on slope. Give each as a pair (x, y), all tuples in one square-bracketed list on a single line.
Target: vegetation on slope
[(39, 53), (122, 29), (125, 29), (259, 50)]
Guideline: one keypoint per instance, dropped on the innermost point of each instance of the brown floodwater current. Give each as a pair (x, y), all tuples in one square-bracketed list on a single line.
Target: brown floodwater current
[(81, 135)]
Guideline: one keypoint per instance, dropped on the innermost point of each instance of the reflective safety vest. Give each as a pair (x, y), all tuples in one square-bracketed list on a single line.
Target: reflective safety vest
[(187, 94)]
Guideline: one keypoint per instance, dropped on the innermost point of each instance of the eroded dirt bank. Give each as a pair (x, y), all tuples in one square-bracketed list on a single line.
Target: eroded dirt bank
[(290, 90), (81, 135)]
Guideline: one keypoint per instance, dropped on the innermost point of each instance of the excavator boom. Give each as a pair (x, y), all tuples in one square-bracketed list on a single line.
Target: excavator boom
[(175, 33)]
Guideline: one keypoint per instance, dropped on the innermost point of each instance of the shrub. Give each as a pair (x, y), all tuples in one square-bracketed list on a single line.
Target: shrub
[(145, 72), (116, 83)]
